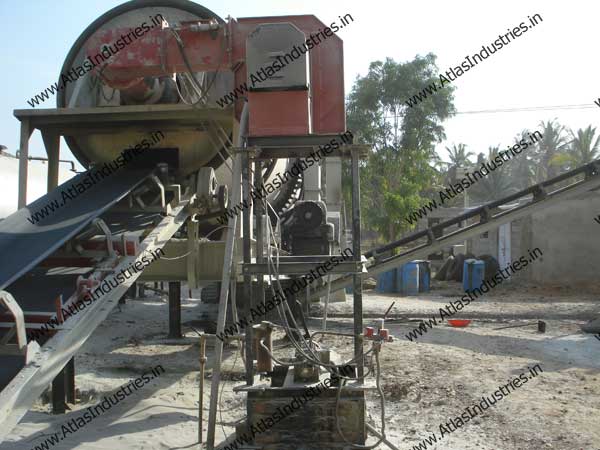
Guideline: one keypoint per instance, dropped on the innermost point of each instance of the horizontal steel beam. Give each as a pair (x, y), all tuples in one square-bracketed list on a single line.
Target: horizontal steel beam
[(304, 151), (301, 268), (124, 115), (310, 140)]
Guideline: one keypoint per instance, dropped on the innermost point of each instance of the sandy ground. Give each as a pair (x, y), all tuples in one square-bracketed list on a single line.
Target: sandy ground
[(426, 382)]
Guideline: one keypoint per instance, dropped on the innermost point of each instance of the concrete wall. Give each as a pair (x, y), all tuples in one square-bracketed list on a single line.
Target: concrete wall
[(569, 238), (484, 244), (566, 233)]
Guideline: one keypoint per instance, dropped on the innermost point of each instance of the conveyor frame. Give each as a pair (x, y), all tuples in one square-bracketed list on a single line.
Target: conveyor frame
[(49, 360), (487, 221)]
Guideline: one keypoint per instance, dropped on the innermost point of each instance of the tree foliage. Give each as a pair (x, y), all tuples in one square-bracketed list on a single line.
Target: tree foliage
[(400, 170), (559, 150), (403, 172)]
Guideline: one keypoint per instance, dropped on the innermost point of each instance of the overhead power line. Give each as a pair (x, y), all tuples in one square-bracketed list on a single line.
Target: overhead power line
[(530, 108), (523, 109)]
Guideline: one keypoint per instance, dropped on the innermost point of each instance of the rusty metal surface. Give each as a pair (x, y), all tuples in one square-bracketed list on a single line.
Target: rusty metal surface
[(312, 426), (326, 71)]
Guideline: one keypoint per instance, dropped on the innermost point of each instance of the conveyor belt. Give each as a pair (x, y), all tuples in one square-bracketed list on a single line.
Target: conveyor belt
[(34, 290), (583, 179), (29, 243), (23, 383)]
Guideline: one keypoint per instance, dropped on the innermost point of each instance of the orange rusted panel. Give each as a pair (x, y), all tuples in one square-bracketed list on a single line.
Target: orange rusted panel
[(279, 113)]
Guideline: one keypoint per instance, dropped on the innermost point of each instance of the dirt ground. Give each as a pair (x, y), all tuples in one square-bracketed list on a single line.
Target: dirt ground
[(426, 383)]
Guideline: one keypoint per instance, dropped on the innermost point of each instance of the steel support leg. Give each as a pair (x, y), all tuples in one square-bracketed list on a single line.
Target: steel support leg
[(358, 313), (52, 143), (58, 393), (201, 387), (174, 309), (260, 227), (225, 281), (26, 131), (70, 380), (247, 242)]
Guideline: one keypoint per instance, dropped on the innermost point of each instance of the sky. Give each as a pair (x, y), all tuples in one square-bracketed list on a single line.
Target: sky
[(553, 64)]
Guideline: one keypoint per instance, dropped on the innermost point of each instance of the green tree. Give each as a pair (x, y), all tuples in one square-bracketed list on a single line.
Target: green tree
[(550, 150), (522, 170), (495, 185), (583, 148), (399, 172), (459, 156)]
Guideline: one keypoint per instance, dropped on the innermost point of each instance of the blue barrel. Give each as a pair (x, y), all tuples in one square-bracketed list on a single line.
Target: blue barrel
[(386, 282), (408, 279), (473, 274), (424, 275)]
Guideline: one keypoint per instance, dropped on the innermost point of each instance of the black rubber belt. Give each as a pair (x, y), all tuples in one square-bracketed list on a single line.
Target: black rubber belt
[(24, 244)]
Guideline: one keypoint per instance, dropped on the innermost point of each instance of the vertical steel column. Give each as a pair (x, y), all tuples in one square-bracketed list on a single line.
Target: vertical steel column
[(260, 229), (26, 131), (58, 393), (52, 144), (201, 387), (247, 255), (70, 380), (358, 313), (225, 281), (174, 309)]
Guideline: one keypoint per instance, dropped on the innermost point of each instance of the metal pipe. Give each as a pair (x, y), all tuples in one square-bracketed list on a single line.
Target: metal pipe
[(358, 319), (39, 158), (263, 334), (260, 227), (247, 259), (201, 386), (225, 280), (540, 324), (377, 434), (388, 310)]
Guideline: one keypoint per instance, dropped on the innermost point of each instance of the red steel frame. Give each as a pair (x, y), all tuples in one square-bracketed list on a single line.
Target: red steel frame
[(156, 54)]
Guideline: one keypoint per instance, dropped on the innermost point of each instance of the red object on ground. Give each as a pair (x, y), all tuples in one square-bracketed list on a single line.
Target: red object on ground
[(459, 322), (369, 331)]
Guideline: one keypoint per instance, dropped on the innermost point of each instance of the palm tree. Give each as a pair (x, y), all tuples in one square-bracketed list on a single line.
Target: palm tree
[(495, 185), (550, 150), (583, 148), (459, 157), (523, 169)]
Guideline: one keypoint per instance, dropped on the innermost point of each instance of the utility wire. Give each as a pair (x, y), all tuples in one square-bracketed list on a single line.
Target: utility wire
[(521, 109), (529, 108)]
